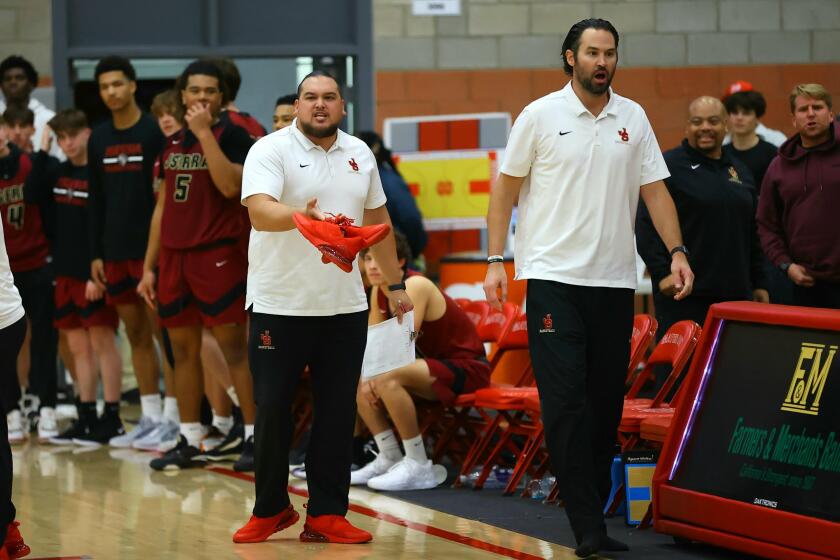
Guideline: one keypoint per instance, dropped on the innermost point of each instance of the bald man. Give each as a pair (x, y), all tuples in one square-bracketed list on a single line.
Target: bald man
[(716, 199)]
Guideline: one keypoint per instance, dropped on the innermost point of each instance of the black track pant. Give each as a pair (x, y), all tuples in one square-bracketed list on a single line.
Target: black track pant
[(38, 294), (822, 294), (579, 339), (279, 348), (10, 340)]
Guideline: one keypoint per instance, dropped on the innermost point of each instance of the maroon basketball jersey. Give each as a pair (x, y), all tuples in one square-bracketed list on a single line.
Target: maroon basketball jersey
[(196, 214), (251, 125), (451, 336), (26, 242)]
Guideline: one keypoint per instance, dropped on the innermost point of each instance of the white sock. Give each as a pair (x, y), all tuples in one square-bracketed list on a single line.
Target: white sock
[(415, 449), (231, 391), (150, 406), (249, 431), (387, 443), (170, 410), (224, 423), (194, 432)]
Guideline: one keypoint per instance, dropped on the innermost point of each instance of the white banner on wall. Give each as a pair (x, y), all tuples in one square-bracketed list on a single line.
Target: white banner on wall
[(436, 7)]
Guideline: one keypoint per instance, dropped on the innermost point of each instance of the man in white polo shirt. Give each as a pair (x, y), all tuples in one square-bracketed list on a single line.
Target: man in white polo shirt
[(578, 160), (307, 313)]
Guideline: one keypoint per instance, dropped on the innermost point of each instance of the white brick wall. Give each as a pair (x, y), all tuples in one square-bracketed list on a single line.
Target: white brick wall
[(26, 29), (527, 33)]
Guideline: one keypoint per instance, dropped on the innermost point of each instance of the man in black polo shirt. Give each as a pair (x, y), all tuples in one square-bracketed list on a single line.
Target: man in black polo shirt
[(716, 198)]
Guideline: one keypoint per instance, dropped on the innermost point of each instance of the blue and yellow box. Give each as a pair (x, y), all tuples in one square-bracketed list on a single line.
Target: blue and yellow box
[(638, 482)]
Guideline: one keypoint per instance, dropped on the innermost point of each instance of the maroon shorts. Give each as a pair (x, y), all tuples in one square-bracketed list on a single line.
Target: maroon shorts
[(458, 375), (74, 311), (202, 286), (122, 279)]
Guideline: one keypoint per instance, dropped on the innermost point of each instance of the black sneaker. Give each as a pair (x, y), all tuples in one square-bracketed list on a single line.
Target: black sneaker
[(99, 432), (76, 429), (182, 456), (245, 463), (229, 449)]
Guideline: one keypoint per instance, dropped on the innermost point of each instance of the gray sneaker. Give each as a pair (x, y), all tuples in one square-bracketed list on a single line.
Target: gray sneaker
[(165, 431), (144, 427)]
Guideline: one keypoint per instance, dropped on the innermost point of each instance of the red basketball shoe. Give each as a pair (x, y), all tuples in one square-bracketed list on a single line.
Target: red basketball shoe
[(14, 545), (338, 239), (259, 529), (332, 529)]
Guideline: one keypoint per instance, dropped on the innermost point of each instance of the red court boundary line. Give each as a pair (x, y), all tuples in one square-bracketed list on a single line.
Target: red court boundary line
[(422, 527)]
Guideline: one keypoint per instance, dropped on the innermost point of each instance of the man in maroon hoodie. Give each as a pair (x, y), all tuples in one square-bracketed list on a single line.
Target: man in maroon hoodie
[(800, 202)]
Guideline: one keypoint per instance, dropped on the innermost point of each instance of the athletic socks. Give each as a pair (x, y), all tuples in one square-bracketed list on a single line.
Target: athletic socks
[(414, 449), (223, 423), (112, 411), (249, 431), (388, 445), (231, 391), (193, 432), (150, 407), (170, 410)]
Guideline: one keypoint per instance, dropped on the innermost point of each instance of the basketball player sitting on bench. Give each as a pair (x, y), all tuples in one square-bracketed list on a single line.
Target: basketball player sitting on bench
[(453, 362)]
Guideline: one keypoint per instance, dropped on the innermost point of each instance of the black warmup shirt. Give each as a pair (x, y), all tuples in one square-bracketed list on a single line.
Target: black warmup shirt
[(757, 159), (121, 170), (716, 202), (61, 189)]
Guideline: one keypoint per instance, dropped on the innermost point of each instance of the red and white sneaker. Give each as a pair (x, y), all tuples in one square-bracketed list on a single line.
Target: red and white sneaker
[(338, 239), (332, 529), (258, 529), (14, 545)]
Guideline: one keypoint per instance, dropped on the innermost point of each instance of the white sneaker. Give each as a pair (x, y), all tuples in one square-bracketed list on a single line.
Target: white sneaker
[(377, 467), (144, 427), (299, 472), (47, 424), (409, 474), (18, 427), (165, 431)]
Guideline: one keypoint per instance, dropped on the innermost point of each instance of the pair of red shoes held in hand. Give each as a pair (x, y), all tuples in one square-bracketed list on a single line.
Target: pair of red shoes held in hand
[(338, 239)]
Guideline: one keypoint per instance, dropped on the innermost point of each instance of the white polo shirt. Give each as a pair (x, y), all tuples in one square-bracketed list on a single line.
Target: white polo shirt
[(11, 307), (577, 206), (285, 272)]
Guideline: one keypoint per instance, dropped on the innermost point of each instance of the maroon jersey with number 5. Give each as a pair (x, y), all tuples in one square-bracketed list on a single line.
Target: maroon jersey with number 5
[(196, 214), (26, 242)]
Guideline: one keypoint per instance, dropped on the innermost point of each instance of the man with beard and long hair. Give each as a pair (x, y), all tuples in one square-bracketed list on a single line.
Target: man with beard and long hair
[(304, 313), (716, 198), (578, 159)]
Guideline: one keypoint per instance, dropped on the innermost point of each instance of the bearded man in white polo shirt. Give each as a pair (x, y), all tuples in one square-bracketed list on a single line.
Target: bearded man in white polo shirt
[(306, 313), (578, 159)]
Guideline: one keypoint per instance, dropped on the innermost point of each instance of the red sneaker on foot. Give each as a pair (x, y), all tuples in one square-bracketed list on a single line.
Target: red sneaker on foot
[(338, 239), (14, 545), (3, 554), (332, 529), (259, 529)]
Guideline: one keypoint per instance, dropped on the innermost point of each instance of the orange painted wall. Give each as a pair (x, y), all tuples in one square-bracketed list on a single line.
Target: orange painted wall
[(663, 92)]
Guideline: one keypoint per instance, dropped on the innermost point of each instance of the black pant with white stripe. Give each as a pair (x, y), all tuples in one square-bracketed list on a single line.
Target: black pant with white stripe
[(279, 348), (579, 339)]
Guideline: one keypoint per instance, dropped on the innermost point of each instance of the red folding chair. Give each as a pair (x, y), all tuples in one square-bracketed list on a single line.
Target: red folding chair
[(644, 329), (477, 311)]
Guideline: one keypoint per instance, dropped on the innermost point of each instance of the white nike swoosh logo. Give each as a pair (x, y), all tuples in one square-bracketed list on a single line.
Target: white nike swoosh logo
[(221, 264), (695, 166)]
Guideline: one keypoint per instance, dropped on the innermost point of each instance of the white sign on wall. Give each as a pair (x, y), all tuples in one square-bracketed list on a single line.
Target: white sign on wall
[(436, 7)]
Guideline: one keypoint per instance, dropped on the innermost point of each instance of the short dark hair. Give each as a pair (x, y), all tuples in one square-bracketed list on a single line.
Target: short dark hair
[(572, 41), (230, 75), (114, 63), (403, 249), (205, 68), (68, 120), (15, 114), (286, 99), (320, 73), (17, 61), (747, 101)]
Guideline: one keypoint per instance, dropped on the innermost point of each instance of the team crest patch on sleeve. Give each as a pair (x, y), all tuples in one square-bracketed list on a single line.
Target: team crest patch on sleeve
[(265, 341), (548, 324)]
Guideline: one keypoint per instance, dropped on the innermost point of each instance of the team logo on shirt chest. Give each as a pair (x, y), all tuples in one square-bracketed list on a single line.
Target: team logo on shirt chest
[(623, 135), (354, 167), (733, 175)]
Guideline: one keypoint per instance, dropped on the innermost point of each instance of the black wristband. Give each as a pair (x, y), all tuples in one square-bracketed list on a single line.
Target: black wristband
[(396, 287), (679, 249)]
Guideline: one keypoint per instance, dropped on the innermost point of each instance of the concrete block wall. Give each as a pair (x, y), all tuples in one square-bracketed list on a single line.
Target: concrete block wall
[(527, 33), (26, 29)]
